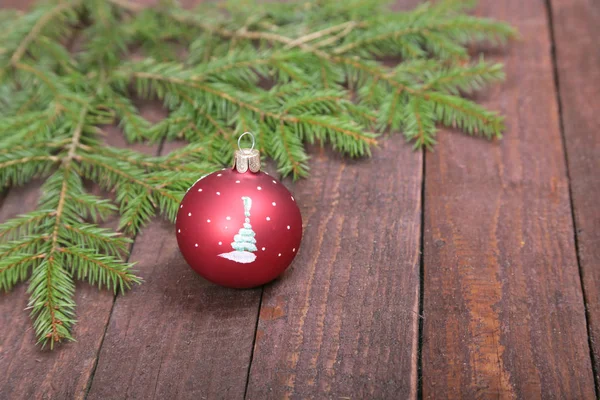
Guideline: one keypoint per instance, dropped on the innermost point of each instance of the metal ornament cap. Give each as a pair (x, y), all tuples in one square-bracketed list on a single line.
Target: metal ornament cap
[(247, 159)]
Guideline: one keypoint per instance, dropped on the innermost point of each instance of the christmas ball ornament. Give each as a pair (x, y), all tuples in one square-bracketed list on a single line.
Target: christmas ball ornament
[(239, 227)]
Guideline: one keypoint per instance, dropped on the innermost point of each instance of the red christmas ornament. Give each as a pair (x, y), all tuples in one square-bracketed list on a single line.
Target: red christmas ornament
[(239, 227)]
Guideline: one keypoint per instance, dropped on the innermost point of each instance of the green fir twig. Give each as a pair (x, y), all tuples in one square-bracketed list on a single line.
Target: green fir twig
[(328, 84)]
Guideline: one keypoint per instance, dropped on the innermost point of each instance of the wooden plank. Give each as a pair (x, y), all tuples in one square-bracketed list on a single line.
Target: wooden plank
[(576, 30), (343, 320), (177, 335), (29, 372), (197, 351), (33, 374), (503, 308)]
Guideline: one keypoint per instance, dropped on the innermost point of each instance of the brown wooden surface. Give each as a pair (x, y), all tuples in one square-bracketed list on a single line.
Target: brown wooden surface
[(504, 314), (576, 32), (343, 321), (27, 371), (503, 305), (176, 335)]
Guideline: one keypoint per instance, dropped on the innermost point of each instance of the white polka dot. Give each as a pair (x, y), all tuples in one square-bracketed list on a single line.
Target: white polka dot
[(237, 181), (288, 227), (279, 255), (274, 181), (199, 190), (181, 206), (218, 193), (294, 249), (220, 243), (264, 248), (274, 204), (178, 230), (226, 227), (189, 214), (196, 245), (219, 174), (293, 198), (208, 220), (228, 218), (268, 218), (259, 188)]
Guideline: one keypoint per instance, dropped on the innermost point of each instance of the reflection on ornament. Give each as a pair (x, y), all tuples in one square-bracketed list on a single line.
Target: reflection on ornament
[(244, 244)]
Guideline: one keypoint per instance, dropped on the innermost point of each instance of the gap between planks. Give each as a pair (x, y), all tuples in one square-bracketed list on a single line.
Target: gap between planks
[(112, 307), (559, 102)]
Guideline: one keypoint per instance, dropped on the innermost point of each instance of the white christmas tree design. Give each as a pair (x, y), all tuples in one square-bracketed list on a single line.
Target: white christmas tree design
[(244, 244)]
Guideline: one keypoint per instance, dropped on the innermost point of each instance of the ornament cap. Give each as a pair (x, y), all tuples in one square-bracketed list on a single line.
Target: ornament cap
[(246, 159)]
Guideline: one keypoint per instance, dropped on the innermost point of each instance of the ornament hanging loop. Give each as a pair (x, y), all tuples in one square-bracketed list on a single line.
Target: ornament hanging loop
[(240, 138), (246, 159)]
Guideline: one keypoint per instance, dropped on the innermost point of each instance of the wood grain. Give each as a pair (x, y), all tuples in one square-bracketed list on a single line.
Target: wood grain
[(177, 335), (29, 372), (503, 308), (342, 322), (576, 30)]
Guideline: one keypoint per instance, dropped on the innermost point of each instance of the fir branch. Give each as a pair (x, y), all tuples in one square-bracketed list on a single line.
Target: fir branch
[(25, 160), (39, 26), (134, 126), (105, 240), (294, 162), (344, 27), (461, 26), (329, 86), (104, 166), (32, 146), (51, 289), (453, 112), (16, 268), (23, 225), (151, 164), (420, 122), (110, 271), (467, 79), (20, 245)]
